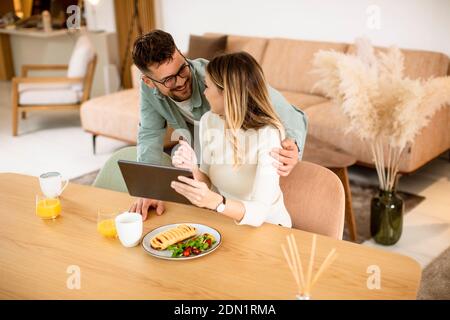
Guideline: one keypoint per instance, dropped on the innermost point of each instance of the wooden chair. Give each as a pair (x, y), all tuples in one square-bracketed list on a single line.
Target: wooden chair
[(337, 160), (48, 84), (314, 197)]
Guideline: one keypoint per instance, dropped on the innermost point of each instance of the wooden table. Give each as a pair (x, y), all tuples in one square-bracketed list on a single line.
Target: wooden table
[(35, 256), (331, 157)]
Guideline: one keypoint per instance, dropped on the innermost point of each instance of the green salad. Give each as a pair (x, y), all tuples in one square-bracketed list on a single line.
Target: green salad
[(192, 246)]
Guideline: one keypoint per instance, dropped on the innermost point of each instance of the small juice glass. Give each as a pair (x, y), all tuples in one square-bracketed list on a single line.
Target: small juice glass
[(47, 208), (106, 224)]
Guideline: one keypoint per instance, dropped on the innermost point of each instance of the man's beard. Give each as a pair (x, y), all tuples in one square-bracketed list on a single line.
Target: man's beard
[(186, 94)]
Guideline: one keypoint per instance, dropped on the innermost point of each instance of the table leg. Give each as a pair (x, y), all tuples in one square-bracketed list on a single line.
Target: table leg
[(342, 173)]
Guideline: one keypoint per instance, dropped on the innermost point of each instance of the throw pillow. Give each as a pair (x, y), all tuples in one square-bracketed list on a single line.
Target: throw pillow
[(206, 46)]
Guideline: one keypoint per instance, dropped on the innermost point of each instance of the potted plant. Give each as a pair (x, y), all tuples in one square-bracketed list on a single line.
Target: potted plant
[(386, 110)]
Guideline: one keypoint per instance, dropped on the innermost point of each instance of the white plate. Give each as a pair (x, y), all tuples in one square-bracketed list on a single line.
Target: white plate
[(166, 254)]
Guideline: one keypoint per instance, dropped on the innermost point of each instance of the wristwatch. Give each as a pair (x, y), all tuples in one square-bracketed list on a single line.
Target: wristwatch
[(221, 207)]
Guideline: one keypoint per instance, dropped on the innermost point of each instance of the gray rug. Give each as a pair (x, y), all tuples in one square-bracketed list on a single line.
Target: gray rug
[(435, 284), (86, 179)]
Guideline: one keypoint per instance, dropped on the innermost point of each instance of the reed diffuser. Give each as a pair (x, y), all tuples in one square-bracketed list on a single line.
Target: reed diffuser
[(305, 284)]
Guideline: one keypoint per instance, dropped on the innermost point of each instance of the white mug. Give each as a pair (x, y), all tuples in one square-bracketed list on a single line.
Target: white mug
[(52, 184), (129, 228)]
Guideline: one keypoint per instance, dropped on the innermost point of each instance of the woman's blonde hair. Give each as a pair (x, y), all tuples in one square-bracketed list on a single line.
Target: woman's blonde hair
[(247, 102)]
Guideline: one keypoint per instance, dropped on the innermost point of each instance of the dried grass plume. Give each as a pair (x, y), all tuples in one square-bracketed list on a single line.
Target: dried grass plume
[(384, 107)]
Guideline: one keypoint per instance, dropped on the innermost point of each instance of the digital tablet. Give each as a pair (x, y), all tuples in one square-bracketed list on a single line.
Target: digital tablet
[(152, 181)]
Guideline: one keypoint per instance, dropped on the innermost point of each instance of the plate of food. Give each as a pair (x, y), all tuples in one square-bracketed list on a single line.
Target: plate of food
[(181, 241)]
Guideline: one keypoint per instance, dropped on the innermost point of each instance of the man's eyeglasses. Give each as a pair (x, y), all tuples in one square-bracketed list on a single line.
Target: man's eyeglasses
[(171, 81)]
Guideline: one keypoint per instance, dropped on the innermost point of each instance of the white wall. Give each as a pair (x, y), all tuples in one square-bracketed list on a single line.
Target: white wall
[(416, 24), (101, 16)]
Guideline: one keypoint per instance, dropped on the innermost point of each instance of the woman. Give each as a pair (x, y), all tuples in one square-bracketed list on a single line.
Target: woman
[(236, 137)]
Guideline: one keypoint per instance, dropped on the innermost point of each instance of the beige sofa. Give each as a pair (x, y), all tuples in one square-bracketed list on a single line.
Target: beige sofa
[(287, 66)]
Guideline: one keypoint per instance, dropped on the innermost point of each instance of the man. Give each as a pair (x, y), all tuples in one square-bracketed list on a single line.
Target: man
[(172, 94)]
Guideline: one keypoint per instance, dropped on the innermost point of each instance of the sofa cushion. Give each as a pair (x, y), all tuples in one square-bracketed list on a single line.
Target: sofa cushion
[(82, 55), (115, 115), (287, 63), (328, 123), (303, 100), (47, 94), (253, 45), (418, 63)]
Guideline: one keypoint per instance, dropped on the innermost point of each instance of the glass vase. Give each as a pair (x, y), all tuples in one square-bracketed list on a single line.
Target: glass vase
[(386, 217)]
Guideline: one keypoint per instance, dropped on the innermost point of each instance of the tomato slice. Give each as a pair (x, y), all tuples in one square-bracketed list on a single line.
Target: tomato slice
[(187, 252)]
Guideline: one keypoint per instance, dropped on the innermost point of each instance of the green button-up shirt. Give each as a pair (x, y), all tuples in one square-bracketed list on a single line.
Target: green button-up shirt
[(158, 111)]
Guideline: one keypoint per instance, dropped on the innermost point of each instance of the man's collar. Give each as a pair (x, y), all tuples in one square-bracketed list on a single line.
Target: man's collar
[(158, 94), (196, 99)]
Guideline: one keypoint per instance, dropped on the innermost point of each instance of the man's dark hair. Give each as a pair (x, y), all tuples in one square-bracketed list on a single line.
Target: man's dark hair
[(156, 46)]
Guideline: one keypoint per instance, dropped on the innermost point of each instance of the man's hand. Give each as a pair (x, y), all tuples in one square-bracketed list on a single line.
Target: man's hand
[(286, 158), (143, 205)]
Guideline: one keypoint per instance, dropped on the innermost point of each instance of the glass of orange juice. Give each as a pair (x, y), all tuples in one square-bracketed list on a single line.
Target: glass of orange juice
[(106, 224), (47, 208)]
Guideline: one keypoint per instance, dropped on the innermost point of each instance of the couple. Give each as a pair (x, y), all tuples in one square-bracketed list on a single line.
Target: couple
[(228, 95)]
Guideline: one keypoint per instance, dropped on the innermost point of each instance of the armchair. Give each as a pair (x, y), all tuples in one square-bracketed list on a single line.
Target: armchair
[(54, 93)]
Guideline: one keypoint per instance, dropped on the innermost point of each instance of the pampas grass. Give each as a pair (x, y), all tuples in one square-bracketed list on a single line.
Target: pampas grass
[(384, 107)]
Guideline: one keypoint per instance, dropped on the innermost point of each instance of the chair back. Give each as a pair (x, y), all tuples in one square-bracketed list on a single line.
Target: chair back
[(315, 199), (82, 65)]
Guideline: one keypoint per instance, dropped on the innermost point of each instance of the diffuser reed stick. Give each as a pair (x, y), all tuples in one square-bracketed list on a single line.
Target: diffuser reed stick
[(292, 256)]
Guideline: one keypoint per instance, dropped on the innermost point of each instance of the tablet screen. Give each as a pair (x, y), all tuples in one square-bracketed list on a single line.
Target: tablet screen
[(152, 181)]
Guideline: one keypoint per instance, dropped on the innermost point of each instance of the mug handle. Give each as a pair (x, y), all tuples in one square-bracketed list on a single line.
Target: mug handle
[(66, 182)]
